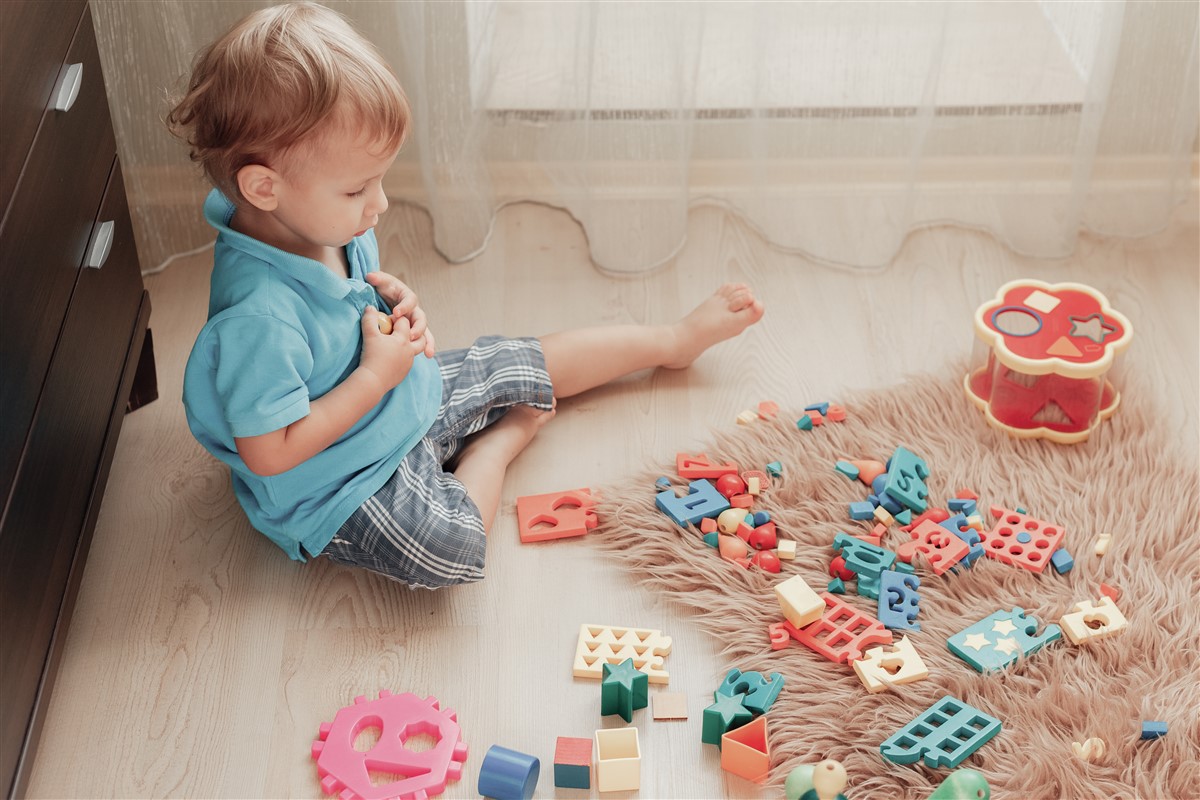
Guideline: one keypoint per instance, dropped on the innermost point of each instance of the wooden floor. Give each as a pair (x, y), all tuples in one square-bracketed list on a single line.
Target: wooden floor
[(201, 662)]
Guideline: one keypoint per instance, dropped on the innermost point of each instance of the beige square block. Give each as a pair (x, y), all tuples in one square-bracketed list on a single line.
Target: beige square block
[(786, 549), (800, 604), (1040, 301), (618, 760)]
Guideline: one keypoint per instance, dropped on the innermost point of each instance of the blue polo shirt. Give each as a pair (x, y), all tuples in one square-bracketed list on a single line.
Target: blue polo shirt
[(282, 331)]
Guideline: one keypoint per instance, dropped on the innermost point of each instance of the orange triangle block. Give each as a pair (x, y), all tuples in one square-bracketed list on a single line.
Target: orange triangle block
[(1063, 347), (746, 752)]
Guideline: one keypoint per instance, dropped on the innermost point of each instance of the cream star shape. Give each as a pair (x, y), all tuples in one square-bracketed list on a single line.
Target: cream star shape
[(1008, 646), (976, 640), (1003, 626), (1092, 327)]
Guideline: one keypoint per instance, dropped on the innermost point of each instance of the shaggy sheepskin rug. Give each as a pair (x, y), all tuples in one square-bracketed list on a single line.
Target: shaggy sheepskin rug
[(1130, 480)]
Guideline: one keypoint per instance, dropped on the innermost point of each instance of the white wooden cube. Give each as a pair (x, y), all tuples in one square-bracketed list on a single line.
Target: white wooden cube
[(801, 605), (618, 760)]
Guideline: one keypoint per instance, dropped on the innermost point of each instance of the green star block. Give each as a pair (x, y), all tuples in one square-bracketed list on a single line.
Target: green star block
[(623, 689), (723, 716)]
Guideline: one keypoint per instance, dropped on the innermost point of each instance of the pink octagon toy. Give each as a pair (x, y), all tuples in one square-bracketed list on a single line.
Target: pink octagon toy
[(1042, 355), (419, 774)]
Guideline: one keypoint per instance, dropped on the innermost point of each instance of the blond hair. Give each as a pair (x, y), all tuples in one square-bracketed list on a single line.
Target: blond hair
[(277, 82)]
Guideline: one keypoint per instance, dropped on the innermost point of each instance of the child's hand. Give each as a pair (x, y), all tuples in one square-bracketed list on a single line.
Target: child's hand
[(403, 301), (389, 358)]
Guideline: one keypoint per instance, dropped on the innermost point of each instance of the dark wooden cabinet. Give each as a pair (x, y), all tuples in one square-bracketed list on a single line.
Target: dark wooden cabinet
[(73, 316)]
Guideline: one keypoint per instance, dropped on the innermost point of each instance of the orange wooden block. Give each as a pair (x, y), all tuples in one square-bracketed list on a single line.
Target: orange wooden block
[(557, 515), (965, 494), (708, 525), (816, 417), (745, 751), (868, 471), (836, 414), (699, 466), (741, 501), (767, 409), (1110, 592)]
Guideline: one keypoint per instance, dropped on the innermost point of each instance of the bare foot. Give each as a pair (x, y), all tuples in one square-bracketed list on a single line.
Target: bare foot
[(729, 311)]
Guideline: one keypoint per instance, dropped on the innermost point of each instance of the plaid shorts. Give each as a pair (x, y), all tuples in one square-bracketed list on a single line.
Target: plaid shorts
[(421, 528)]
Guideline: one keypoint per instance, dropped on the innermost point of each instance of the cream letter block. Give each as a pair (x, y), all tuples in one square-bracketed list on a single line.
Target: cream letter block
[(618, 760), (801, 605), (1075, 624)]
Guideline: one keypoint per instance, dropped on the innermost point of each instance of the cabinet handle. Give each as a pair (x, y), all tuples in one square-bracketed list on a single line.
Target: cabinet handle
[(101, 245), (68, 87)]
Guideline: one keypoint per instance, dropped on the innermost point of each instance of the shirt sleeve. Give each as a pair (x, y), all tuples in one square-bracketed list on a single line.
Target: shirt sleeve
[(260, 370)]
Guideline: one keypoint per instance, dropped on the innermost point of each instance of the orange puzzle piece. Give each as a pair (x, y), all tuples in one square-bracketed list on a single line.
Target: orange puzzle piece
[(557, 515), (699, 466)]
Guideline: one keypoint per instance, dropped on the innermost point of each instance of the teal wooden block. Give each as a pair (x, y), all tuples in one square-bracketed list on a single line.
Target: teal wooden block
[(722, 716), (804, 423), (836, 586), (623, 689), (775, 469)]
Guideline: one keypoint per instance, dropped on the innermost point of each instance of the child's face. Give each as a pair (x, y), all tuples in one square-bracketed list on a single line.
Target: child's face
[(333, 192)]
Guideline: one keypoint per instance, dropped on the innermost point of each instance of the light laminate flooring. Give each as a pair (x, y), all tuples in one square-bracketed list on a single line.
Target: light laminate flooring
[(201, 662)]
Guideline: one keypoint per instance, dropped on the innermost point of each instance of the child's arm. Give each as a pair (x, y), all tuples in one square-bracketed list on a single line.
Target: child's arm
[(385, 362)]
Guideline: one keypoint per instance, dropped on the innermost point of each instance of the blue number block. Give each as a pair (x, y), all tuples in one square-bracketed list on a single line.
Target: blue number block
[(702, 500), (962, 506), (760, 692), (899, 601), (958, 526), (906, 480), (1000, 639), (1062, 561), (944, 735), (862, 510)]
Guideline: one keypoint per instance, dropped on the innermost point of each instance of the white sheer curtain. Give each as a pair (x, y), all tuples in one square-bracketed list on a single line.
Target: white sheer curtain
[(834, 128)]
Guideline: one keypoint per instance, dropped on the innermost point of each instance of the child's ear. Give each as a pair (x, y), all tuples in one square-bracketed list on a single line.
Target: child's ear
[(257, 184)]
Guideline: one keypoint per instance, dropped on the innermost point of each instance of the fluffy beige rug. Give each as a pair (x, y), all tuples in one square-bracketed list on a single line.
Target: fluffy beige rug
[(1130, 480)]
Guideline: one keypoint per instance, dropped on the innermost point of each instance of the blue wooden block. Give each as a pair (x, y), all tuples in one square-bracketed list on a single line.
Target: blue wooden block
[(944, 735), (889, 504), (847, 469), (906, 479), (775, 469), (964, 506), (898, 601), (862, 510), (1062, 561), (761, 518), (879, 484), (663, 483), (1153, 730), (821, 407), (1001, 638), (702, 500), (958, 526), (760, 692), (863, 557)]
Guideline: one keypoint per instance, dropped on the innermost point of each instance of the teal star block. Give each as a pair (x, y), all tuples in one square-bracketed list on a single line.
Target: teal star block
[(623, 689), (723, 716)]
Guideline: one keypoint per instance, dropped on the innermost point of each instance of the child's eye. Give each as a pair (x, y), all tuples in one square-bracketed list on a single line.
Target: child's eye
[(358, 193)]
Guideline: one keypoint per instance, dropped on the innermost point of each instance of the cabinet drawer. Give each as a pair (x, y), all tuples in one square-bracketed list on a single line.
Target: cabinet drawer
[(42, 241), (64, 468), (34, 37)]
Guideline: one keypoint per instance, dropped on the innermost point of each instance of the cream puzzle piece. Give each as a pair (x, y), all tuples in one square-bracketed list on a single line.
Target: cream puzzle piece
[(601, 644), (1088, 621), (875, 671)]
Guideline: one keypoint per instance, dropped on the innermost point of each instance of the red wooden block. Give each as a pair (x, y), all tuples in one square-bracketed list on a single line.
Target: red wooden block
[(699, 466), (941, 548), (767, 409), (741, 501), (816, 417), (556, 515), (931, 514), (1003, 542), (767, 561), (708, 525), (837, 569), (779, 635), (764, 537), (842, 634), (572, 751), (730, 484), (1110, 592), (965, 494)]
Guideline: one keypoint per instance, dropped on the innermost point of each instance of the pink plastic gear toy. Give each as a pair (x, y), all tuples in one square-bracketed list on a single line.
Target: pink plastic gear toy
[(347, 772)]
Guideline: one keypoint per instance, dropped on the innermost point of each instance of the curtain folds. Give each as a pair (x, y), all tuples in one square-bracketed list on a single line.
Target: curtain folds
[(835, 129)]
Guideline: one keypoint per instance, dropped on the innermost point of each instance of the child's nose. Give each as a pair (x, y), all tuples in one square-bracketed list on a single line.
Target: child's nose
[(379, 201)]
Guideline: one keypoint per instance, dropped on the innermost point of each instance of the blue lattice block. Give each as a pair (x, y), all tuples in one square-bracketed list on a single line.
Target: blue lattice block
[(1001, 638), (944, 735), (702, 500)]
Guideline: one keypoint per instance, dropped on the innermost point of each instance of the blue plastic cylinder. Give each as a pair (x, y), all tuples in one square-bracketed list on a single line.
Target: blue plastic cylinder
[(507, 774)]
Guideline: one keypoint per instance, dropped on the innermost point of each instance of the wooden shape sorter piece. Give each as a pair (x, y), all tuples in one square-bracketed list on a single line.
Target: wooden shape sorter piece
[(702, 500), (1004, 542), (556, 515), (699, 466), (1088, 621), (603, 644), (884, 667), (944, 735), (1001, 638), (940, 547), (670, 705), (842, 633)]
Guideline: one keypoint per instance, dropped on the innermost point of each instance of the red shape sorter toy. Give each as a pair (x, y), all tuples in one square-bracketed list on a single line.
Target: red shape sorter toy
[(1041, 359), (1020, 540), (556, 515), (419, 773)]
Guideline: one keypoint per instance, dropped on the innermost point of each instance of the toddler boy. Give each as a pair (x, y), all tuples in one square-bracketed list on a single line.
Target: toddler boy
[(336, 433)]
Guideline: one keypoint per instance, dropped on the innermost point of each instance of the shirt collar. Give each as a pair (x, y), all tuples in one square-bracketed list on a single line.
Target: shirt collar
[(218, 210)]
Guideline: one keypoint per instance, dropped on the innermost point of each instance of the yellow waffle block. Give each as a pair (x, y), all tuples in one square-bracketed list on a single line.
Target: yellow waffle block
[(609, 644)]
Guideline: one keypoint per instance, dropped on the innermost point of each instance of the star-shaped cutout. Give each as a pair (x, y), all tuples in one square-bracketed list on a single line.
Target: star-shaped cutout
[(1003, 626), (1008, 646), (976, 640), (1093, 327)]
